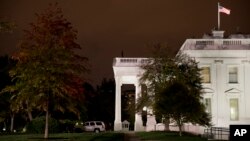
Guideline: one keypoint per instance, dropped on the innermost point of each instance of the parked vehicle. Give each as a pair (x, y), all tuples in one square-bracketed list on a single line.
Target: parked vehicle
[(90, 126)]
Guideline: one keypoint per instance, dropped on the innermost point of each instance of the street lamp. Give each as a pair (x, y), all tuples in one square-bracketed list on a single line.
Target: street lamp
[(144, 116)]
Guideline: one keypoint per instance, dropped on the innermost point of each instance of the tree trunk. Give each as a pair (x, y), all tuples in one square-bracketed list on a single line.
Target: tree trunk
[(46, 132), (12, 122), (30, 115), (29, 111), (180, 130), (180, 127), (166, 123)]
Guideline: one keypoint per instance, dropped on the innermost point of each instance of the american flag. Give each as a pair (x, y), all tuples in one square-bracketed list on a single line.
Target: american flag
[(224, 10)]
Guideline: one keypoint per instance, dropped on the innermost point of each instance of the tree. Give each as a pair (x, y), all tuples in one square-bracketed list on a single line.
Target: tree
[(169, 81), (157, 73), (106, 94), (49, 74), (106, 98), (181, 106), (100, 102)]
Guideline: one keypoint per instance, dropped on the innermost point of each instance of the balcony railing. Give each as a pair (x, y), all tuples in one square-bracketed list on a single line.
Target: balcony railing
[(217, 44), (129, 62)]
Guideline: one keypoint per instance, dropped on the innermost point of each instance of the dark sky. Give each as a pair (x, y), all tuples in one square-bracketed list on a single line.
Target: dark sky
[(106, 27)]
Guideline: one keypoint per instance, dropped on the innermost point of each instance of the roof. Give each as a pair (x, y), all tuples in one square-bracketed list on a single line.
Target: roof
[(216, 44), (216, 41)]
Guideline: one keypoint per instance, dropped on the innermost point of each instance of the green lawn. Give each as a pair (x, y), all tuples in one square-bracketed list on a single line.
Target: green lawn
[(168, 136), (107, 136)]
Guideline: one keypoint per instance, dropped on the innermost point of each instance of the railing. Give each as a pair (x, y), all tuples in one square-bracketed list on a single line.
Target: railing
[(204, 42), (129, 62), (217, 133), (233, 42), (218, 44), (224, 42)]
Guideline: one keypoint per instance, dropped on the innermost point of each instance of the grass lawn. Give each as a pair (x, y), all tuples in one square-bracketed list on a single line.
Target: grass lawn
[(107, 136), (168, 136)]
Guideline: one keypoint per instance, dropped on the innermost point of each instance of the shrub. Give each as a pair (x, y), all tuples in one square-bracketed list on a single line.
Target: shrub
[(67, 125), (37, 125)]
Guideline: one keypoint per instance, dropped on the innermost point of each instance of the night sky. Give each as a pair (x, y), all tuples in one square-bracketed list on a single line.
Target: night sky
[(106, 27)]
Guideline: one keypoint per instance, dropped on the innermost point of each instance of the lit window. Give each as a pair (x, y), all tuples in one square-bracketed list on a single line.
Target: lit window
[(234, 109), (207, 102), (233, 74), (205, 74)]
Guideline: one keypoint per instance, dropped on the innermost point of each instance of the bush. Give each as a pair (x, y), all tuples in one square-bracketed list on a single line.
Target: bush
[(67, 125), (37, 125)]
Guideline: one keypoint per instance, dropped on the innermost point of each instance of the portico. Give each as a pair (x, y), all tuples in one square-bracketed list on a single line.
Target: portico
[(127, 71)]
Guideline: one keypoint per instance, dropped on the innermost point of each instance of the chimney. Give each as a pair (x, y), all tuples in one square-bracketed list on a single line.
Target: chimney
[(218, 34)]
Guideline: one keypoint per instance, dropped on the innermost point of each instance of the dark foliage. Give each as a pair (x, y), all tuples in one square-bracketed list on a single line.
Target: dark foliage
[(37, 125)]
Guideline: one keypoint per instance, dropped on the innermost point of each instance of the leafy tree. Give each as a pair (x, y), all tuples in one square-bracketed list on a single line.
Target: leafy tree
[(156, 75), (169, 81), (106, 98), (100, 103), (49, 73), (181, 106)]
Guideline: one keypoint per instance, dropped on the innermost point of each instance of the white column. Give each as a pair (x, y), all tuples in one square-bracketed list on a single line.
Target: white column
[(117, 123), (138, 118), (221, 75), (246, 91)]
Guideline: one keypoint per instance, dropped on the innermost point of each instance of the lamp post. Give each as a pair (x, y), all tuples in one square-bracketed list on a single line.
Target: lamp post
[(144, 116)]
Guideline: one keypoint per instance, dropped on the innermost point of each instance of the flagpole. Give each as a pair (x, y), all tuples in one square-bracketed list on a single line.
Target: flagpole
[(218, 16)]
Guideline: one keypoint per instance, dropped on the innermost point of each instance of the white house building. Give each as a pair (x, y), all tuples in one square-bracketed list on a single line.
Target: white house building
[(225, 65)]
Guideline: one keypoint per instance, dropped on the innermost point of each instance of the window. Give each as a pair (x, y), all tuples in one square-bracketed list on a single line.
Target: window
[(92, 124), (98, 123), (234, 109), (207, 102), (205, 74), (233, 74)]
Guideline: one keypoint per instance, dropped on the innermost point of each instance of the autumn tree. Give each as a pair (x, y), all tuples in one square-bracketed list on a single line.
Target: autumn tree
[(49, 73)]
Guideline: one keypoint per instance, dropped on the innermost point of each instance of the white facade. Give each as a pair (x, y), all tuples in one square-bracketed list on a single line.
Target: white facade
[(226, 65), (229, 87)]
